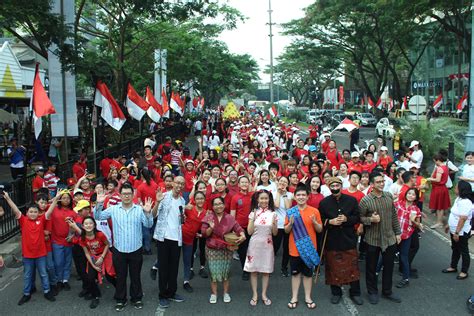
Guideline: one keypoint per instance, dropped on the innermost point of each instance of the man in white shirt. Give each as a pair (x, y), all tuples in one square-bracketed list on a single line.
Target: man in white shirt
[(397, 185), (197, 127), (150, 141), (417, 155)]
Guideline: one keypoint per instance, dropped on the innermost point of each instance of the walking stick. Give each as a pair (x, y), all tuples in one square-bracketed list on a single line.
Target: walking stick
[(322, 253)]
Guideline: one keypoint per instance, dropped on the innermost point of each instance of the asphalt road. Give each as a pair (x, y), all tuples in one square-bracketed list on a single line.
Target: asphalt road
[(433, 293)]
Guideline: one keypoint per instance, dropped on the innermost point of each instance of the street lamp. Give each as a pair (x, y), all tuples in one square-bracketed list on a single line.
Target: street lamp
[(270, 24)]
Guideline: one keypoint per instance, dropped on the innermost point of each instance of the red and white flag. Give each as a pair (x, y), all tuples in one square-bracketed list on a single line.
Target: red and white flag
[(370, 103), (390, 104), (40, 104), (195, 102), (462, 103), (154, 111), (201, 104), (438, 102), (404, 104), (273, 111), (379, 104), (136, 106), (111, 112), (165, 105), (175, 103)]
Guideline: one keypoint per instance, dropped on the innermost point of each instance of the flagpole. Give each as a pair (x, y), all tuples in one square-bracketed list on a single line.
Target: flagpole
[(94, 126)]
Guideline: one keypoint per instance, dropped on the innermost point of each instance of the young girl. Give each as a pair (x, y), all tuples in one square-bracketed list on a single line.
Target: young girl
[(282, 201), (264, 182), (99, 259), (33, 247)]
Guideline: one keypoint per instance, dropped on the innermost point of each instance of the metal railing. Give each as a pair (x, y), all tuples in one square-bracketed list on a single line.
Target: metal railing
[(20, 190)]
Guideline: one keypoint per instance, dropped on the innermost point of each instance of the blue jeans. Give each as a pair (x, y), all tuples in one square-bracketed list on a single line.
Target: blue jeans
[(51, 270), (146, 232), (186, 197), (187, 258), (29, 266), (404, 250), (62, 256)]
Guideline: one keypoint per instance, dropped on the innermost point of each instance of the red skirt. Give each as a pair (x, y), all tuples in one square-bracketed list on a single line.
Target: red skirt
[(342, 267), (439, 198)]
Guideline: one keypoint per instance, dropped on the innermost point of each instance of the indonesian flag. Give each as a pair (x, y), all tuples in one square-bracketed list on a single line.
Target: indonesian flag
[(347, 124), (201, 103), (390, 104), (273, 111), (379, 104), (175, 101), (136, 106), (164, 105), (371, 103), (195, 102), (462, 103), (111, 112), (438, 102), (404, 104), (40, 104), (154, 111)]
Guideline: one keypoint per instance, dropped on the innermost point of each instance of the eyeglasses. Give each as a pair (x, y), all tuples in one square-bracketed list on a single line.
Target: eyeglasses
[(380, 181), (127, 194), (218, 204)]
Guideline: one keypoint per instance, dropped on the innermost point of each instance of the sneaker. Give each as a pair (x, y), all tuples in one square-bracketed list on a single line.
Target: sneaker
[(54, 289), (59, 286), (24, 299), (95, 302), (335, 299), (403, 283), (187, 287), (66, 286), (392, 297), (49, 296), (138, 305), (177, 298), (213, 299), (83, 293), (203, 273), (227, 298), (120, 306), (164, 303), (153, 273), (373, 299), (284, 272), (191, 275)]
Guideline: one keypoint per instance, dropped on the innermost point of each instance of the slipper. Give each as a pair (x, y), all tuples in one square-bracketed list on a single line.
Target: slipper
[(267, 302), (459, 277), (253, 302), (449, 271), (292, 305), (310, 305)]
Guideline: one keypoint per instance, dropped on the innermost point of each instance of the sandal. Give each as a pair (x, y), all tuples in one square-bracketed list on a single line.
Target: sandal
[(267, 302), (310, 305), (253, 302), (292, 305), (449, 270), (462, 277)]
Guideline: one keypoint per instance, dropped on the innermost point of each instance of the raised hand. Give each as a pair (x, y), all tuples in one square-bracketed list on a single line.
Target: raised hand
[(148, 205), (275, 220), (159, 195), (211, 224)]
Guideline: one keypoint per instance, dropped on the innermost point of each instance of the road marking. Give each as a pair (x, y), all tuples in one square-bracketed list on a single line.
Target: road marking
[(349, 305), (159, 311), (13, 278), (444, 238)]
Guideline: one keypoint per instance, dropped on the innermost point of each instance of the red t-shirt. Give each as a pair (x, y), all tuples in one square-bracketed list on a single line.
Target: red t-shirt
[(314, 199), (145, 191), (60, 227), (357, 194), (384, 161), (233, 189), (369, 167), (32, 237), (96, 245), (37, 183), (105, 167), (241, 204), (192, 225), (48, 225), (188, 179), (352, 166), (334, 157), (79, 169), (298, 153)]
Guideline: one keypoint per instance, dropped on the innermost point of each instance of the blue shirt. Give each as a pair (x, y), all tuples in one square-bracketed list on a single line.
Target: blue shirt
[(127, 225)]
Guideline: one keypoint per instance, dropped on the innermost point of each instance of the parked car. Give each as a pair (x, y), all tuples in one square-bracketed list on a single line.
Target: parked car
[(366, 119), (384, 128)]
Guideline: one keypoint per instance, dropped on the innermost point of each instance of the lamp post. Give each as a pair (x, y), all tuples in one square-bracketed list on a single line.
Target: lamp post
[(270, 24), (470, 133)]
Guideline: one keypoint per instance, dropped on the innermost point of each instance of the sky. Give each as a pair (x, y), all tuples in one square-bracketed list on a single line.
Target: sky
[(251, 36)]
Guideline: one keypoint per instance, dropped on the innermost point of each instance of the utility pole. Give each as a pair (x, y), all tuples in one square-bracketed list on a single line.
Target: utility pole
[(470, 133), (270, 24)]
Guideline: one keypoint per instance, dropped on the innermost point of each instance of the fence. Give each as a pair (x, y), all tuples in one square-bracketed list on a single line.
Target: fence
[(21, 192)]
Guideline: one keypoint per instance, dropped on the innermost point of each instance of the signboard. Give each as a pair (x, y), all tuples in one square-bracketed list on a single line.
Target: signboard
[(426, 84), (417, 104)]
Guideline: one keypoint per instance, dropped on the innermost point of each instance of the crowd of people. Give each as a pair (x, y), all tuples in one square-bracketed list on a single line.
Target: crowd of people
[(253, 187)]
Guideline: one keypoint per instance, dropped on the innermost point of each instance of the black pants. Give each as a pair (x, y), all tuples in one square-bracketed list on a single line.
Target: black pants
[(128, 263), (362, 245), (168, 264), (414, 246), (80, 261), (371, 259), (277, 240), (17, 172), (91, 284), (460, 249), (202, 251), (353, 291), (242, 251)]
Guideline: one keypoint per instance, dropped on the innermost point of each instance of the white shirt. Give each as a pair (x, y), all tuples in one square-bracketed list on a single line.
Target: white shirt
[(461, 207), (271, 187), (149, 142), (198, 125), (281, 211), (405, 164), (345, 181), (325, 190), (173, 223), (388, 183), (451, 167), (417, 157), (213, 141), (395, 189), (468, 172)]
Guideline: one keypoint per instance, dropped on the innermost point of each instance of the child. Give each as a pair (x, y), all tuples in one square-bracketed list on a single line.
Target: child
[(99, 259), (33, 248)]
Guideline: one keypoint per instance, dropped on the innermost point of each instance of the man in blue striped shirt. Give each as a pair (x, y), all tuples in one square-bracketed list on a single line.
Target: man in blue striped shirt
[(127, 220)]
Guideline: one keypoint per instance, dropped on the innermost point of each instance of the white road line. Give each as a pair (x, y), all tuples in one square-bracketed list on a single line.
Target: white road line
[(159, 311), (349, 305), (443, 238), (15, 276)]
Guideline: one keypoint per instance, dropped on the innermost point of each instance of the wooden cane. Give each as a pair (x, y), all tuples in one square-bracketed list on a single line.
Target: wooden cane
[(322, 253)]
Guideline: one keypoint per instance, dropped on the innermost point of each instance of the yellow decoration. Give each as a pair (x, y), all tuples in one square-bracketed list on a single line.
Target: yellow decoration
[(9, 85), (230, 112)]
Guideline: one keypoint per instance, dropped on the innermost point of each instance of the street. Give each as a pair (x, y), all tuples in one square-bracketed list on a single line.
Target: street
[(434, 293)]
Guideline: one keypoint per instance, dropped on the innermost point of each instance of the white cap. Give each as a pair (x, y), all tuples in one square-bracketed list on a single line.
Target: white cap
[(294, 128), (326, 134), (414, 143), (384, 148), (355, 154)]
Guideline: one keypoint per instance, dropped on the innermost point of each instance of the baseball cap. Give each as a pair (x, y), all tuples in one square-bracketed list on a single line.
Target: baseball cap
[(81, 204), (414, 143), (312, 148), (384, 148), (355, 154)]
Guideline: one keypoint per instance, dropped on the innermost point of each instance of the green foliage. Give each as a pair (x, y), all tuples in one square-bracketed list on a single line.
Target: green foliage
[(435, 135), (297, 115)]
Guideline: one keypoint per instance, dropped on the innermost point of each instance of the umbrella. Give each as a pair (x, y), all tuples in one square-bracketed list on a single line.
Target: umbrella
[(7, 117), (347, 125)]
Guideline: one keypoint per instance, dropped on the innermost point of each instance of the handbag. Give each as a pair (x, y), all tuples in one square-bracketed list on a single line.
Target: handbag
[(231, 240)]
